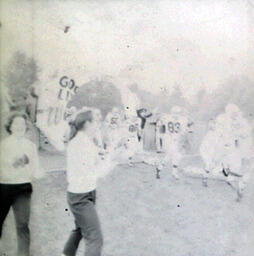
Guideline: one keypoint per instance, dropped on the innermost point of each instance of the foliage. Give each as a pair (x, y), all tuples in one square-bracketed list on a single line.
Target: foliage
[(239, 91), (22, 73), (99, 94)]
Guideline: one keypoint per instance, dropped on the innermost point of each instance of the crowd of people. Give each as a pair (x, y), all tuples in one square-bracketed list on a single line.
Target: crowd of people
[(226, 149), (95, 146)]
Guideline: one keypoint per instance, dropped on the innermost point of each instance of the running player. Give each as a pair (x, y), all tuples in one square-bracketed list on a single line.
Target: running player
[(236, 160), (208, 150), (131, 142), (113, 131), (176, 130)]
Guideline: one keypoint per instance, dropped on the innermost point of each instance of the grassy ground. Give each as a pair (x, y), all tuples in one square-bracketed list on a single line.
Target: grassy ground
[(142, 215)]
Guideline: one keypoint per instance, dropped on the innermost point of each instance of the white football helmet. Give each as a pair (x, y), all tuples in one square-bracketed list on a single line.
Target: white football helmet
[(176, 110), (233, 111)]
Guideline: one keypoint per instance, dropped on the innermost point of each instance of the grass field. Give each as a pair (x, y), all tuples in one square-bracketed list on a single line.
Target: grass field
[(144, 216)]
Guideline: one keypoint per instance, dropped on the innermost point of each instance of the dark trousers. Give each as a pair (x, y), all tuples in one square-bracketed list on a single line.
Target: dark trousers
[(17, 196), (87, 225)]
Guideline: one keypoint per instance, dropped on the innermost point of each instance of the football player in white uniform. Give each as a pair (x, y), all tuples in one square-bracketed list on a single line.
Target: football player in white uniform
[(177, 127), (113, 130), (225, 154), (237, 158), (113, 118), (131, 143), (208, 149)]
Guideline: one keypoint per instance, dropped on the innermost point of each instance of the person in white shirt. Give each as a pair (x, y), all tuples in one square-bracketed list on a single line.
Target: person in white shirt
[(19, 165), (84, 166)]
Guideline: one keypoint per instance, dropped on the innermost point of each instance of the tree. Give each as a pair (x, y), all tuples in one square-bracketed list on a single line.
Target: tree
[(20, 77), (239, 91), (177, 98), (100, 94)]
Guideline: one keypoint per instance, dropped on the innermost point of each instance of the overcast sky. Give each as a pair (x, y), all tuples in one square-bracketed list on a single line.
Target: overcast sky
[(196, 44)]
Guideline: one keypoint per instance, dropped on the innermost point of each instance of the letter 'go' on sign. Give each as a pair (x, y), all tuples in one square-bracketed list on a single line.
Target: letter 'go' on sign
[(69, 84)]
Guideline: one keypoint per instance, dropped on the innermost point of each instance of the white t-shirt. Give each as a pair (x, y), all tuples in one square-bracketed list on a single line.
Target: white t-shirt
[(19, 162), (84, 164)]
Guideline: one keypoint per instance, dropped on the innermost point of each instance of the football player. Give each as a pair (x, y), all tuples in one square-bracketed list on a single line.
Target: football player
[(161, 134), (113, 133), (236, 161), (176, 130), (208, 149), (131, 143)]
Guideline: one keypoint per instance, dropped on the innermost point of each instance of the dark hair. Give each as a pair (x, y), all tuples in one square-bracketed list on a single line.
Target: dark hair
[(11, 119), (79, 122)]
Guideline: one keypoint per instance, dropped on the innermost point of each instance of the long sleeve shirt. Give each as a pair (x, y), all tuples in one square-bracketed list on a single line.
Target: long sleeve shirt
[(19, 161), (84, 164)]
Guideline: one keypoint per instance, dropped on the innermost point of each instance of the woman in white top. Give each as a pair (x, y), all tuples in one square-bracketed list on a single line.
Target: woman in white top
[(18, 166), (84, 166)]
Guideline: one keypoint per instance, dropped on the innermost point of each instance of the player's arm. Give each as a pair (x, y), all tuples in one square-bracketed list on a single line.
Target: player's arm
[(149, 115)]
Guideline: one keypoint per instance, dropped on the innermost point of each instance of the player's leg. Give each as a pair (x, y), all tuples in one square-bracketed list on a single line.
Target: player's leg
[(232, 167), (130, 153), (160, 163), (21, 208), (243, 181), (209, 168), (159, 140), (133, 147), (205, 169), (158, 167), (205, 176), (176, 157)]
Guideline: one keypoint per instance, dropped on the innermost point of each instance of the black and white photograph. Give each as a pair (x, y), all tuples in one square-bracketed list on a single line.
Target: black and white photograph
[(127, 127)]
